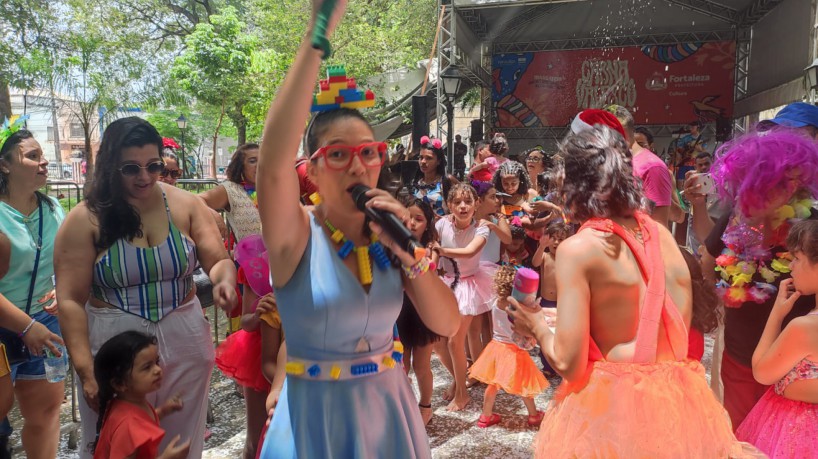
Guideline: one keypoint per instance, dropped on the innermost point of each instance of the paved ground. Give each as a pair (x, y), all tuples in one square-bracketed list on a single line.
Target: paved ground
[(452, 435)]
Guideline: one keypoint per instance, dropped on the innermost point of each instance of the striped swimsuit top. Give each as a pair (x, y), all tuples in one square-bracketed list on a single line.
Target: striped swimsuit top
[(148, 282)]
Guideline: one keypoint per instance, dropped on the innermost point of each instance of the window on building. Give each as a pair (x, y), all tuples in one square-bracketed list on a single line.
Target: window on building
[(50, 130), (77, 131)]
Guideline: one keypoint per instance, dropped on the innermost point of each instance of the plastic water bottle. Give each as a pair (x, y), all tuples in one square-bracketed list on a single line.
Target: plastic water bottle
[(524, 290), (56, 368)]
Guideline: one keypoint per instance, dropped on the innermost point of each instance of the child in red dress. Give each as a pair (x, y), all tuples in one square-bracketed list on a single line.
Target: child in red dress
[(127, 369)]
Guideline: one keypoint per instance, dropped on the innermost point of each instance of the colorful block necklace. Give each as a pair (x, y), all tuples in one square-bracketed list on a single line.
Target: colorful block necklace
[(375, 249)]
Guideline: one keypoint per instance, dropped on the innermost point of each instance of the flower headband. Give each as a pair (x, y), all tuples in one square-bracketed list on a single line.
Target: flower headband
[(426, 142), (8, 129), (339, 91)]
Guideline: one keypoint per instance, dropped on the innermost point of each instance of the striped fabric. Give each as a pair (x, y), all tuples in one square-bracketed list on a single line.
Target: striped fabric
[(148, 282)]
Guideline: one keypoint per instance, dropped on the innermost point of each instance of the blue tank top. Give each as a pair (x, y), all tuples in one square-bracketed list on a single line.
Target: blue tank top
[(327, 313), (22, 231)]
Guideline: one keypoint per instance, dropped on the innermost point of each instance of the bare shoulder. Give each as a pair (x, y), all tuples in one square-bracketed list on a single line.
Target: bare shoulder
[(81, 217), (180, 198), (581, 247)]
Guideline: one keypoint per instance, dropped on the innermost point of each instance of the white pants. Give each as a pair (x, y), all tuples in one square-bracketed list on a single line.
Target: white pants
[(186, 354)]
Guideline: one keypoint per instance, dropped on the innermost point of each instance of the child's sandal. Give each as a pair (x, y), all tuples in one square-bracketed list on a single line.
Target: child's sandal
[(487, 421), (536, 420)]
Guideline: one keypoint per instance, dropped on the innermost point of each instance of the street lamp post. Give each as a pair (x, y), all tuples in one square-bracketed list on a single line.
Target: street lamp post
[(451, 87), (811, 77), (181, 122)]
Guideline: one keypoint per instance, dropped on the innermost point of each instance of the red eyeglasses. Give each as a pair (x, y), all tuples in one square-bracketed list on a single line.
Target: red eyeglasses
[(339, 157)]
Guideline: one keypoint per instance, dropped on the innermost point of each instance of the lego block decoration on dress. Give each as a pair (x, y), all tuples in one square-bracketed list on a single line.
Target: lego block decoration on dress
[(339, 91)]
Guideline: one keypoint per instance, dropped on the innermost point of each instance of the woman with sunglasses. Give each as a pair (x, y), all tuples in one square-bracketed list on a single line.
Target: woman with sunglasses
[(347, 395), (125, 260), (172, 172), (237, 195), (28, 222)]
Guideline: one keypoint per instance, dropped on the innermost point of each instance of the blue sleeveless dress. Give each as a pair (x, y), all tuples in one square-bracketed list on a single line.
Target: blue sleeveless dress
[(327, 315)]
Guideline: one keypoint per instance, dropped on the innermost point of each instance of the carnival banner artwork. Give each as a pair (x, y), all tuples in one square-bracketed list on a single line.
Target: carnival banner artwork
[(660, 84)]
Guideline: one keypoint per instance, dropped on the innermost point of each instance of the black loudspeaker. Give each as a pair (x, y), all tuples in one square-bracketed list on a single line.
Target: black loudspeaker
[(420, 121), (724, 129), (476, 131)]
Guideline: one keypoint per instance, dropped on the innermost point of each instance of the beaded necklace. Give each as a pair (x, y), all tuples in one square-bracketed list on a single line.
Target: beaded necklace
[(361, 253), (746, 254)]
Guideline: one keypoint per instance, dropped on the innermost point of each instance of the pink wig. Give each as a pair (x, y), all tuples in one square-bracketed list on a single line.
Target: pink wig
[(753, 169)]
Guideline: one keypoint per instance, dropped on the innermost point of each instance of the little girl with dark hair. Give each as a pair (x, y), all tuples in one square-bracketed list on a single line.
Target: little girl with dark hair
[(783, 423), (127, 369), (418, 341)]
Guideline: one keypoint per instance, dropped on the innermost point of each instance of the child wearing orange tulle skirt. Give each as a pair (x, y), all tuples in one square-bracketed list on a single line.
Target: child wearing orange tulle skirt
[(504, 365)]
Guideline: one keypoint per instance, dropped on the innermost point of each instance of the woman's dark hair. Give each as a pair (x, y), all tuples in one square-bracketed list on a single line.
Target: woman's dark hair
[(8, 147), (440, 155), (645, 132), (113, 364), (512, 168), (803, 238), (706, 315), (430, 234), (547, 160), (105, 199), (235, 169), (499, 144), (597, 175), (319, 124)]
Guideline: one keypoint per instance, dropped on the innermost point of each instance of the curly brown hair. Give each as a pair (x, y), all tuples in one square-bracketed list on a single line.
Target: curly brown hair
[(504, 282), (803, 238), (597, 175)]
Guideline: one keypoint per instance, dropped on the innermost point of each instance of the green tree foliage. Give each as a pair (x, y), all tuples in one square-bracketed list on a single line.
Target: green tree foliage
[(216, 67)]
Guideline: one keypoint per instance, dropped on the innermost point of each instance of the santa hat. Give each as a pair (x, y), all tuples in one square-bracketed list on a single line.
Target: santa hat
[(587, 119)]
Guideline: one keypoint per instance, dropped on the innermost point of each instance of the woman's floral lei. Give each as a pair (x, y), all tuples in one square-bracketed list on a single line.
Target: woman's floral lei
[(746, 254), (251, 193)]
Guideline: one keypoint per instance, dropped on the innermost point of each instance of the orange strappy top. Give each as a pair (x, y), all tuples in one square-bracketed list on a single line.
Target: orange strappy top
[(657, 305)]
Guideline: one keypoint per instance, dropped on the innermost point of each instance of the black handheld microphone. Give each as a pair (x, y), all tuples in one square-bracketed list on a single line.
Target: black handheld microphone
[(388, 221)]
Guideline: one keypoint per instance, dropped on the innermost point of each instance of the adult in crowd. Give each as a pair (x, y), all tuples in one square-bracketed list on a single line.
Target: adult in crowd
[(480, 169), (657, 183), (460, 152), (28, 222), (339, 312), (687, 149), (798, 117), (237, 195), (713, 205), (172, 172), (431, 183), (621, 342), (770, 179), (124, 260)]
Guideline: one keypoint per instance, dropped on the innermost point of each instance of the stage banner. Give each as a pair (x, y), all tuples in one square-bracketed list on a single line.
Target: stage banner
[(669, 84)]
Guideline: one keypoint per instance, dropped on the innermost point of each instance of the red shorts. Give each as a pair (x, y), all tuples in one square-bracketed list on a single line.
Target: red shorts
[(741, 390)]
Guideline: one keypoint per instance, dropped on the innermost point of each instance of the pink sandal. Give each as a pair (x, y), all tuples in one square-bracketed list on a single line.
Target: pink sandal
[(488, 421), (536, 420)]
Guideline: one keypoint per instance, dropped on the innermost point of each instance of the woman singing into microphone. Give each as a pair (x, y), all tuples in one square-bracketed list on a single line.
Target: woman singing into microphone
[(347, 394)]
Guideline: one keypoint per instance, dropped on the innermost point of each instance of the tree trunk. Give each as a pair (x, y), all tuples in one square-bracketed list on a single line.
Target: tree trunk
[(5, 101), (240, 121), (216, 139)]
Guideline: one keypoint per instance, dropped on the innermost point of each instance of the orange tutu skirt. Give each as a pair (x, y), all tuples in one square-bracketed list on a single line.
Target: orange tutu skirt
[(511, 368), (239, 358), (627, 410)]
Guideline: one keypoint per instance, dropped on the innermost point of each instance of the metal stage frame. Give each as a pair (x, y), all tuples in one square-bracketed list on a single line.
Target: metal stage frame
[(471, 34)]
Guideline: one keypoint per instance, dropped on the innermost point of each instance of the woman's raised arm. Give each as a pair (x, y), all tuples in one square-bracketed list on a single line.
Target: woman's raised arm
[(284, 220)]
